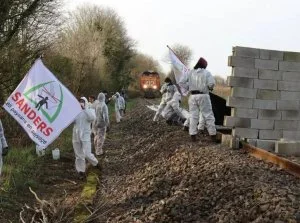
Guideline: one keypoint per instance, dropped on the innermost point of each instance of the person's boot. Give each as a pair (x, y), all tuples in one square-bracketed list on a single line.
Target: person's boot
[(185, 128), (193, 137), (81, 175), (202, 132)]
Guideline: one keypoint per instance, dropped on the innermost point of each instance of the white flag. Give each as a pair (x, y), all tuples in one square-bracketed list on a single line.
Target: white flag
[(42, 105), (180, 70)]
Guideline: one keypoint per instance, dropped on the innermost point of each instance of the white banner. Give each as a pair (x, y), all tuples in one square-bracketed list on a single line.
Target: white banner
[(180, 70), (42, 105)]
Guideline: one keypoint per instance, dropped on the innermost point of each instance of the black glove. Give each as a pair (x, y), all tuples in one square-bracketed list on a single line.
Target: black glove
[(4, 151), (107, 129)]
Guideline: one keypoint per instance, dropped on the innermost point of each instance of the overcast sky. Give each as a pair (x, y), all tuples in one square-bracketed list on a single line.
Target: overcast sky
[(209, 28)]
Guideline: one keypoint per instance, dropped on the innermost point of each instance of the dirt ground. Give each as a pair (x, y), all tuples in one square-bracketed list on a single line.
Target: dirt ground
[(152, 172)]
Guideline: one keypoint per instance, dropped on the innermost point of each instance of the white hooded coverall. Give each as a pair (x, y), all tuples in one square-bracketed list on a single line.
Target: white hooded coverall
[(3, 144), (119, 104), (199, 104), (82, 138), (100, 124), (167, 91), (173, 106)]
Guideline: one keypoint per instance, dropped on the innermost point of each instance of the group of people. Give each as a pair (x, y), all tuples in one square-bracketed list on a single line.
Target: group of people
[(198, 82), (93, 122)]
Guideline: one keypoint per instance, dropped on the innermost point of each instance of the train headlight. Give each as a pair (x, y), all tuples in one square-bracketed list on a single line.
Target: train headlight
[(145, 86), (155, 87)]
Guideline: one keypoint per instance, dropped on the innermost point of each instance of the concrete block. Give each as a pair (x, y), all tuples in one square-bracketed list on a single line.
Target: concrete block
[(230, 121), (291, 148), (286, 125), (239, 102), (234, 61), (289, 66), (252, 142), (244, 72), (288, 105), (291, 135), (244, 113), (270, 134), (264, 104), (265, 84), (245, 133), (268, 145), (270, 54), (230, 141), (291, 76), (267, 94), (289, 95), (269, 114), (290, 115), (270, 74), (266, 64), (239, 82), (288, 86), (291, 56), (262, 124), (245, 52), (243, 92)]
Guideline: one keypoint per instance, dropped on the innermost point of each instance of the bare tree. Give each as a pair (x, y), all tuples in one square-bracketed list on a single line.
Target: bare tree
[(183, 52)]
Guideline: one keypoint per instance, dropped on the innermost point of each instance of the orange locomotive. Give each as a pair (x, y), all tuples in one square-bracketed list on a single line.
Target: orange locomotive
[(150, 84)]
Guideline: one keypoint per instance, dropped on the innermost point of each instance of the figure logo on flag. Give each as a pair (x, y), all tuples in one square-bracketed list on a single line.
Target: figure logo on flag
[(47, 98)]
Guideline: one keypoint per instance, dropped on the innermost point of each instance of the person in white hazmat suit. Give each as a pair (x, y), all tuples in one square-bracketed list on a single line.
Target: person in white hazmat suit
[(173, 112), (100, 124), (167, 90), (82, 138), (200, 82), (3, 146), (119, 105)]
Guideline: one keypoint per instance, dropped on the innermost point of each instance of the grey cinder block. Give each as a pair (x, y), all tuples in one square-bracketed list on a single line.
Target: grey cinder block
[(268, 145), (239, 102), (244, 72), (270, 134), (268, 94), (291, 76), (288, 85), (270, 74), (230, 121), (264, 104), (239, 82), (291, 56), (288, 105), (291, 135), (265, 84), (289, 95), (243, 92), (266, 64), (269, 114), (290, 115), (271, 54), (245, 132), (291, 148), (262, 124), (286, 125), (245, 62), (289, 66), (244, 112), (245, 52)]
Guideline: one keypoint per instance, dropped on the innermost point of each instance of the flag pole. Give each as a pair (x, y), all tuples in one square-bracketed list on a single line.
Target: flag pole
[(175, 54)]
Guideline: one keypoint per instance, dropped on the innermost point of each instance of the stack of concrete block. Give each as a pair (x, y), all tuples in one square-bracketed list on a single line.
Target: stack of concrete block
[(265, 96)]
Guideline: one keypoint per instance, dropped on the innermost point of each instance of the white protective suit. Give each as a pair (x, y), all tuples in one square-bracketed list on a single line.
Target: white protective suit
[(119, 105), (3, 144), (82, 138), (100, 124), (173, 107), (199, 104), (167, 90)]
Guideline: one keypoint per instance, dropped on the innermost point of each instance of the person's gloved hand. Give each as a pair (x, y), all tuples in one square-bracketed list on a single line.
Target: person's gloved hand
[(107, 129), (4, 151), (211, 88)]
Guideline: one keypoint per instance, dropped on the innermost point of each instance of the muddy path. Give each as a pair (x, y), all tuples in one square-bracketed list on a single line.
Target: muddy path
[(152, 172)]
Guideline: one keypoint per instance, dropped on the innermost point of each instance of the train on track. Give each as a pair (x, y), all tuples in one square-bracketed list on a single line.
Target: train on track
[(150, 84)]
